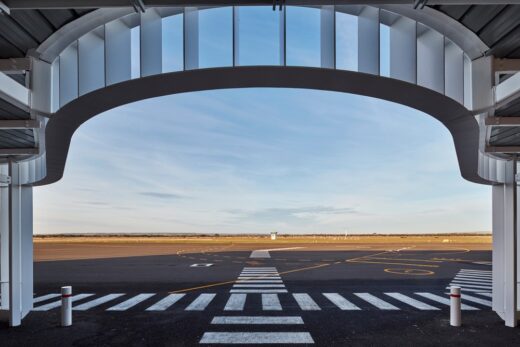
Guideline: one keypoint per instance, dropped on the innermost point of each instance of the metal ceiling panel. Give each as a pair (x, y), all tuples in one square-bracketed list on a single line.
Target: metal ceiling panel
[(479, 16), (58, 18), (34, 22), (18, 138), (454, 11), (505, 136), (8, 111), (503, 24)]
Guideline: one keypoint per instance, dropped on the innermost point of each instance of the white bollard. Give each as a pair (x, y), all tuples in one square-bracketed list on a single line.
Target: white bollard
[(66, 306), (455, 316)]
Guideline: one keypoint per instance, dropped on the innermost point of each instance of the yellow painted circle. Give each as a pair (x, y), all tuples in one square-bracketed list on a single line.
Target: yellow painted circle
[(413, 272)]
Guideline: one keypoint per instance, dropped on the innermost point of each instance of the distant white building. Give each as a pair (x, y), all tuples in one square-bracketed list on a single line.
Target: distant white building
[(273, 235)]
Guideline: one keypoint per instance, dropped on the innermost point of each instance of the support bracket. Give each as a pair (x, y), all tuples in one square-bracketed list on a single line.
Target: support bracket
[(502, 121), (15, 65), (5, 180)]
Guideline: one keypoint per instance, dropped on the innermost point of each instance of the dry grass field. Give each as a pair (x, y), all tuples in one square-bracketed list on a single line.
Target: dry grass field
[(48, 248)]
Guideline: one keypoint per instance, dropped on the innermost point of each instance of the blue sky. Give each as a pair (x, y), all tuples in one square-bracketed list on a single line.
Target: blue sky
[(258, 160)]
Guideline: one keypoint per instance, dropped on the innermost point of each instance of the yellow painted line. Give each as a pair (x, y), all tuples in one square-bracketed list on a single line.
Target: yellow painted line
[(388, 263), (234, 281), (406, 259), (413, 272)]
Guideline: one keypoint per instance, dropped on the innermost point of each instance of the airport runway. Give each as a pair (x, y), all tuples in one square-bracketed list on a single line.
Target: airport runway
[(218, 295)]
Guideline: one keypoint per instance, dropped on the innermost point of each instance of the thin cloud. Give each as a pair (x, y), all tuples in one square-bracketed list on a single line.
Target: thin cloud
[(162, 195)]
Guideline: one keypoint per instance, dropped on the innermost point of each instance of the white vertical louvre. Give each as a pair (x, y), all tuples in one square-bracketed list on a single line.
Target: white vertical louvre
[(151, 43), (328, 37), (117, 52), (191, 38), (69, 74), (91, 48), (430, 59), (403, 50), (368, 40), (454, 71)]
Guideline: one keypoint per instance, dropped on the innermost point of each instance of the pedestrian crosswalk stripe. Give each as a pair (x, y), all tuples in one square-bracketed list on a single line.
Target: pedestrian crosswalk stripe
[(259, 286), (260, 268), (258, 281), (96, 302), (471, 280), (256, 338), (470, 289), (270, 302), (466, 285), (45, 297), (340, 301), (477, 271), (445, 301), (371, 299), (257, 320), (258, 291), (412, 302), (236, 302), (125, 305), (201, 302), (57, 303), (476, 300), (166, 302), (259, 277), (305, 302)]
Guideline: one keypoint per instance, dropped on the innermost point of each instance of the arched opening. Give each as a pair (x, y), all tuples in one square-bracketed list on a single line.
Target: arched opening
[(257, 159)]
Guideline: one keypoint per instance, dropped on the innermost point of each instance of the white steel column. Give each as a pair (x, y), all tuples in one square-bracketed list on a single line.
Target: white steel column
[(151, 43), (283, 36), (17, 249), (4, 241), (505, 229)]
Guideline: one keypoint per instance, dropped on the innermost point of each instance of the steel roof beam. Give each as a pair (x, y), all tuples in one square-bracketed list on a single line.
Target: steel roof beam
[(20, 124), (502, 121), (502, 149), (15, 65), (18, 151), (56, 4)]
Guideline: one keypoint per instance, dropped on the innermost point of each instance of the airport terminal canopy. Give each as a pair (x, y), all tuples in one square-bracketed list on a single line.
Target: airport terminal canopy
[(63, 62)]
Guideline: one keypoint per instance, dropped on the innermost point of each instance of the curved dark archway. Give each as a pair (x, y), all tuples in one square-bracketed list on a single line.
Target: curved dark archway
[(459, 121)]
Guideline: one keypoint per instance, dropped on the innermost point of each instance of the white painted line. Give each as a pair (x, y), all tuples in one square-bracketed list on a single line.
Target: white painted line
[(201, 302), (283, 249), (412, 302), (125, 305), (259, 286), (236, 302), (45, 297), (489, 295), (259, 277), (489, 280), (468, 279), (340, 301), (380, 304), (259, 273), (260, 268), (96, 302), (258, 281), (473, 290), (465, 285), (260, 254), (258, 291), (166, 302), (305, 302), (257, 320), (477, 271), (446, 301), (256, 338), (55, 304), (477, 278), (476, 300), (270, 302)]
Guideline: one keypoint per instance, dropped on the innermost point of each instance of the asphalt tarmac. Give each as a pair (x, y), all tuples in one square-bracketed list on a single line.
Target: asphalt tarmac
[(365, 297)]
